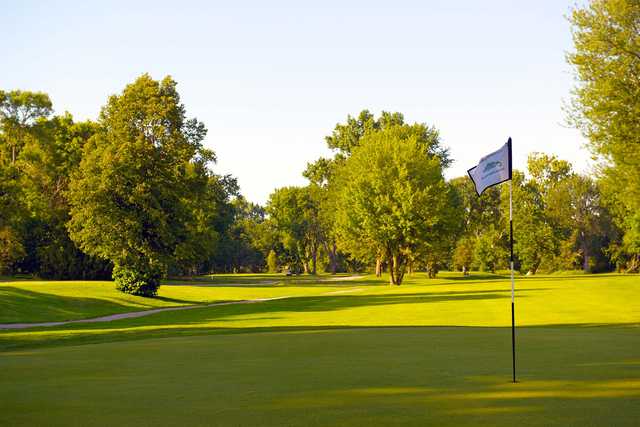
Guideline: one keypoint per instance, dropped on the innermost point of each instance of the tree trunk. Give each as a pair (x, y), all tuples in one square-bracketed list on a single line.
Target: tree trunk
[(399, 268), (334, 258), (633, 266), (396, 269), (585, 259), (392, 278), (314, 260), (378, 267), (332, 253)]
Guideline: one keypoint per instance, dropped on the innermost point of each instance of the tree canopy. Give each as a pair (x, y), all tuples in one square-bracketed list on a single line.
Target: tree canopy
[(606, 106), (130, 196), (393, 197)]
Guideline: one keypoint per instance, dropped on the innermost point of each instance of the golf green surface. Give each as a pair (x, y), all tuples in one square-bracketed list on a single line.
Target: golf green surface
[(328, 352)]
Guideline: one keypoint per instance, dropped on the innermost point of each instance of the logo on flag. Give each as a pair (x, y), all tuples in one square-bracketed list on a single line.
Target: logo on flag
[(492, 169)]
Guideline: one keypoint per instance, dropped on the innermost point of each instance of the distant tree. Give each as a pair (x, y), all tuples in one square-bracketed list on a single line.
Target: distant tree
[(20, 111), (295, 212), (11, 212), (393, 197), (606, 106), (205, 203), (46, 161), (575, 206), (11, 249), (534, 237), (128, 195), (489, 251), (570, 211), (480, 213), (481, 242), (272, 262), (463, 254), (249, 253), (20, 114), (37, 156)]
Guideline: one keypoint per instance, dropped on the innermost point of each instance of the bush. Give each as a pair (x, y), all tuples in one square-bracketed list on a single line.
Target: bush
[(137, 281)]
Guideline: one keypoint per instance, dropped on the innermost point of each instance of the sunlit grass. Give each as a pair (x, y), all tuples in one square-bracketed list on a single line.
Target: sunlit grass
[(42, 301), (346, 352)]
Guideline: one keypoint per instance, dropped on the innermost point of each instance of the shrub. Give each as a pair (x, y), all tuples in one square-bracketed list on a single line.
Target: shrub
[(135, 280)]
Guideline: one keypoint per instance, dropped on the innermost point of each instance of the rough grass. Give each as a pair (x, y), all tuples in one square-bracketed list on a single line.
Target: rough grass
[(341, 353)]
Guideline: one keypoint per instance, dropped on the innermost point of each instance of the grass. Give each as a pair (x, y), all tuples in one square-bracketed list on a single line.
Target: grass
[(335, 353), (42, 301)]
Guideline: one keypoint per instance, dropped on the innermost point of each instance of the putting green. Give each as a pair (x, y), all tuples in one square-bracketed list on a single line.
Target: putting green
[(350, 353)]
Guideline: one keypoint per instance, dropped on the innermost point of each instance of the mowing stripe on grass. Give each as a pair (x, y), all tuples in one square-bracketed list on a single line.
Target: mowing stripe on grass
[(133, 314), (136, 314)]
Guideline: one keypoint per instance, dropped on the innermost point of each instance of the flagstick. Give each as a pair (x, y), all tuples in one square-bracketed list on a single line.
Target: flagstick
[(513, 322)]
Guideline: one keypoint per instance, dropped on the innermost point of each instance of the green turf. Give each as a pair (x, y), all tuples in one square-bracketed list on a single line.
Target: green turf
[(342, 353), (42, 301)]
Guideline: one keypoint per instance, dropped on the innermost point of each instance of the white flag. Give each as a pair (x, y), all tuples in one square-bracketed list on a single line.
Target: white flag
[(493, 169)]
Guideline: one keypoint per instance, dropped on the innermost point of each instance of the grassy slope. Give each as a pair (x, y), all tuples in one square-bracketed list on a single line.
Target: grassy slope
[(327, 359), (42, 301)]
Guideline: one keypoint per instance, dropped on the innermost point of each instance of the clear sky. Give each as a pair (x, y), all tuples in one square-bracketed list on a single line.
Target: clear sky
[(271, 79)]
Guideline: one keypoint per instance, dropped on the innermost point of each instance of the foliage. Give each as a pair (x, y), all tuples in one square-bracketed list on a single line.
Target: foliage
[(489, 252), (130, 196), (245, 238), (272, 262), (482, 242), (345, 138), (20, 113), (606, 105), (142, 279), (534, 237), (295, 212), (392, 198), (463, 254), (11, 249)]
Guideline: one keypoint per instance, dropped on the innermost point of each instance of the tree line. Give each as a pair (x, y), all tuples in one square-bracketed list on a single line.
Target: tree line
[(132, 195)]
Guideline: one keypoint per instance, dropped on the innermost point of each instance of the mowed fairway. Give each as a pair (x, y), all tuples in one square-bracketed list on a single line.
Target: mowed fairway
[(350, 352)]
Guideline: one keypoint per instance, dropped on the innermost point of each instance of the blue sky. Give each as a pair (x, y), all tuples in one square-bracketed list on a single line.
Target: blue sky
[(271, 79)]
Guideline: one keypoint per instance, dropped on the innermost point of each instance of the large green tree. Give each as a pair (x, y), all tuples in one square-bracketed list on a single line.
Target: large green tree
[(393, 197), (128, 198), (345, 138), (606, 104)]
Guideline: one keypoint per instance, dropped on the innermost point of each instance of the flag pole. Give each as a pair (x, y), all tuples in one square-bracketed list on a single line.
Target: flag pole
[(513, 321)]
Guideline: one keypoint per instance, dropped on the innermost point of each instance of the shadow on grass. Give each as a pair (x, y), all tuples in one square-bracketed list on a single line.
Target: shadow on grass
[(519, 277), (430, 375), (117, 334), (475, 276), (18, 304), (203, 315), (280, 282), (175, 300)]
